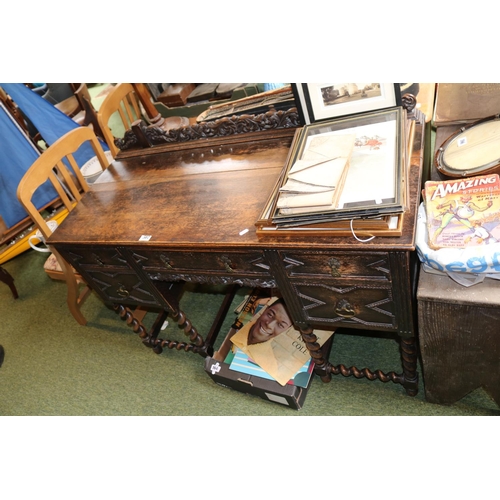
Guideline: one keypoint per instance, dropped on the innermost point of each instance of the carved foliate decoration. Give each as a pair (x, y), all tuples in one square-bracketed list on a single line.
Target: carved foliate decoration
[(142, 135), (215, 280), (409, 102)]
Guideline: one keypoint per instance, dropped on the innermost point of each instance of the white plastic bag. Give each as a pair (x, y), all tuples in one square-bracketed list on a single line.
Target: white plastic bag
[(467, 266), (37, 238)]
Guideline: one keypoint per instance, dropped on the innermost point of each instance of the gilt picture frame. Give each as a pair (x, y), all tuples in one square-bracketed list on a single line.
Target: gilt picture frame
[(326, 101)]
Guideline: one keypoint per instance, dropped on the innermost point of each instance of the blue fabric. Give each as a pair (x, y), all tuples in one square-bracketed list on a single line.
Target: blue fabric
[(272, 86), (47, 119), (16, 156)]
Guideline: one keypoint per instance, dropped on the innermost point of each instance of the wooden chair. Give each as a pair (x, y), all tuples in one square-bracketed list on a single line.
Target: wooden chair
[(69, 184), (88, 116), (62, 96), (6, 278), (122, 101)]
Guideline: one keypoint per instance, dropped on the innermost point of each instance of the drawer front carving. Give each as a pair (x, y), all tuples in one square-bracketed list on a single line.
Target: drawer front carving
[(83, 257), (120, 286), (230, 263), (358, 305), (336, 265)]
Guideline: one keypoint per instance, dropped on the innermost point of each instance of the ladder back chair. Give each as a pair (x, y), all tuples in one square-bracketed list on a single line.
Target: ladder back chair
[(121, 102), (58, 166)]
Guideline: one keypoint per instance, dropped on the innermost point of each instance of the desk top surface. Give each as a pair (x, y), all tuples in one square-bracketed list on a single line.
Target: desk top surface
[(203, 195)]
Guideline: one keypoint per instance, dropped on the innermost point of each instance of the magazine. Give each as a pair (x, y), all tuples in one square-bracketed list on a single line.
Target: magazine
[(272, 342), (463, 212), (240, 362), (274, 345)]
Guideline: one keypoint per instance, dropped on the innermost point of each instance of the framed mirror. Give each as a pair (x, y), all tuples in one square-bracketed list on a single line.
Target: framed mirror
[(471, 150)]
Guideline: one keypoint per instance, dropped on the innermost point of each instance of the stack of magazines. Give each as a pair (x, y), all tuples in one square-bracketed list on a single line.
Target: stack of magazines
[(264, 343)]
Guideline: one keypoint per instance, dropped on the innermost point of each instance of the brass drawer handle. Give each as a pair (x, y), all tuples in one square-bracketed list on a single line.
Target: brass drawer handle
[(226, 262), (166, 261), (334, 267), (98, 259), (344, 309), (122, 292)]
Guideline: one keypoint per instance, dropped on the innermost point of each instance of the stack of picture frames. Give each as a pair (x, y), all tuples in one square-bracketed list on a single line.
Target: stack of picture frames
[(346, 172)]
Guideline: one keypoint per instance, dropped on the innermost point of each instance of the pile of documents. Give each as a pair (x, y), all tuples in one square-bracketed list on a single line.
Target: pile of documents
[(344, 176), (315, 181)]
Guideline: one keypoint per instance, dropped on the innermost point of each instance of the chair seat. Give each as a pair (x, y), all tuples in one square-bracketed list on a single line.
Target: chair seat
[(79, 118), (53, 269), (70, 106)]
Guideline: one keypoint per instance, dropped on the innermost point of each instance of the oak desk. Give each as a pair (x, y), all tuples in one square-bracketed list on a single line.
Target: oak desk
[(186, 212)]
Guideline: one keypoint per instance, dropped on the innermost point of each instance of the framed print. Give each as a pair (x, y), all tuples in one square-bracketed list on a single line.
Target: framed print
[(374, 180), (326, 101)]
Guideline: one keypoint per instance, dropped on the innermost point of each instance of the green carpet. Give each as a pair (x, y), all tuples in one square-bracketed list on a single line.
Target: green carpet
[(53, 366)]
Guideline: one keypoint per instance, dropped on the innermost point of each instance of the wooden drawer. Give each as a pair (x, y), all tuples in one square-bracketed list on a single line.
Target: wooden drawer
[(360, 304), (369, 266), (120, 286), (229, 263), (84, 257)]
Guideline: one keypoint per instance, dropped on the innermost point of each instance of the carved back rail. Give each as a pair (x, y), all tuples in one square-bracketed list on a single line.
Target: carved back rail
[(143, 136)]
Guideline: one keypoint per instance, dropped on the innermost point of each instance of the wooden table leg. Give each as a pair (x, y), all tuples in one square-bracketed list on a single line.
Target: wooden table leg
[(409, 350), (150, 338), (9, 280), (408, 378)]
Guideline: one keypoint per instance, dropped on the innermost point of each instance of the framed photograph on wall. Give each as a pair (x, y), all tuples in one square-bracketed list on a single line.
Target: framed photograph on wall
[(326, 101)]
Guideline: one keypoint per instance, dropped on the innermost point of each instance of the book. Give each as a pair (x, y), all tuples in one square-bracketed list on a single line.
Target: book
[(245, 311), (463, 212), (241, 362)]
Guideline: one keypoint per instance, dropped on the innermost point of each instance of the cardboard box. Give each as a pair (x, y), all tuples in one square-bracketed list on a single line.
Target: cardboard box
[(241, 370), (462, 103), (289, 395)]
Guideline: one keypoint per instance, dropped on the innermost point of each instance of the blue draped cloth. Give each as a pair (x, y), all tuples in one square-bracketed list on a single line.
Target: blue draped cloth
[(17, 154)]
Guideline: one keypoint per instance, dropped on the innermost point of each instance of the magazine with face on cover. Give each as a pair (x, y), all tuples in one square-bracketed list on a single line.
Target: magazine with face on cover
[(272, 342)]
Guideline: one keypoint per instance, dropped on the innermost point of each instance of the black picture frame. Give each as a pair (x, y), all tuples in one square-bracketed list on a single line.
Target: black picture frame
[(318, 102)]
